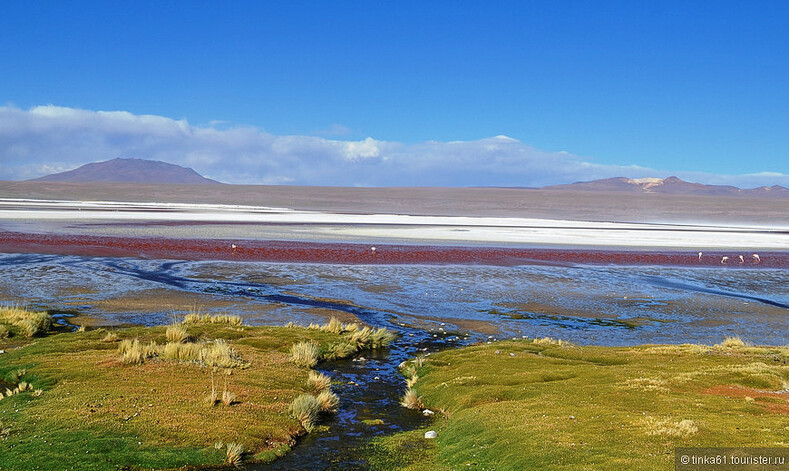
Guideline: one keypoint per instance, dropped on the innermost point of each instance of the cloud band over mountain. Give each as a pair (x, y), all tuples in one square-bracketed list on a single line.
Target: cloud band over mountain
[(48, 139)]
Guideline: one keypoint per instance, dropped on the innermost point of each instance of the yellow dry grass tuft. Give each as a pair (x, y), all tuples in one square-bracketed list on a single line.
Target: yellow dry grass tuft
[(183, 352), (340, 350), (334, 326), (318, 381), (228, 398), (411, 400), (176, 333), (29, 323), (550, 341), (669, 428), (304, 354), (131, 351), (306, 409), (195, 317), (217, 353), (221, 355), (328, 401), (732, 342), (235, 454), (381, 338)]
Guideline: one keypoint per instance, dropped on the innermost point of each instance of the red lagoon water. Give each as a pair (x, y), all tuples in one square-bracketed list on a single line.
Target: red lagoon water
[(354, 253)]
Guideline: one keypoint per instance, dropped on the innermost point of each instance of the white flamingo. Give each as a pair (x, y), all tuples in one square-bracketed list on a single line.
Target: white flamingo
[(756, 258), (742, 259), (372, 249), (725, 260), (233, 248), (699, 256)]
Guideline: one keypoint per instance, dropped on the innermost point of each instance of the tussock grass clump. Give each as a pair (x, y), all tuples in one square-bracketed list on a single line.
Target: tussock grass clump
[(361, 337), (228, 398), (306, 409), (29, 323), (340, 350), (110, 337), (217, 353), (334, 326), (411, 400), (131, 352), (410, 381), (328, 401), (732, 342), (356, 339), (381, 338), (4, 332), (196, 318), (212, 398), (409, 371), (183, 352), (21, 387), (235, 454), (318, 381), (352, 327), (550, 341), (221, 355), (668, 428), (304, 354), (176, 333)]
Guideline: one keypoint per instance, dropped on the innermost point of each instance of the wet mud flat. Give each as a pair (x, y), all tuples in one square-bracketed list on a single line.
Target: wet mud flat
[(598, 304), (431, 306)]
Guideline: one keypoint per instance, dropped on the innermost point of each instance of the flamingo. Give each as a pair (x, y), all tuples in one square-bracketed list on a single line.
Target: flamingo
[(742, 260), (233, 248), (372, 249), (725, 260), (699, 256), (756, 258)]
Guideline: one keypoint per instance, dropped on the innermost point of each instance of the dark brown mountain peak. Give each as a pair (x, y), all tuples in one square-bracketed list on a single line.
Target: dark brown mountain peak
[(130, 171)]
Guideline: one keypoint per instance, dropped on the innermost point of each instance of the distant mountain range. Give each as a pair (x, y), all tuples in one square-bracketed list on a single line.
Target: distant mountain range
[(130, 171), (152, 171), (670, 186)]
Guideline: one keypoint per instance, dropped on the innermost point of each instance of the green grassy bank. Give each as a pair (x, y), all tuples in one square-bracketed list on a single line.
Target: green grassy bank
[(209, 391), (518, 405)]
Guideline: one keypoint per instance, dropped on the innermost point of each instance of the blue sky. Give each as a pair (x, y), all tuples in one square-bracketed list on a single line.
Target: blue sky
[(582, 89)]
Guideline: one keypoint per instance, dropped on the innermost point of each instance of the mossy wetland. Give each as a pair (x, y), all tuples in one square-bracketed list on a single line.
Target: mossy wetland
[(145, 390)]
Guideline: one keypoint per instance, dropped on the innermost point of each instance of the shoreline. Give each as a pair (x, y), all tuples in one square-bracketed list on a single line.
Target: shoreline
[(364, 253)]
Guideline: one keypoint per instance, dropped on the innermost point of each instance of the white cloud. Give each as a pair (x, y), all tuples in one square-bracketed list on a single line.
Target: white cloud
[(48, 139)]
